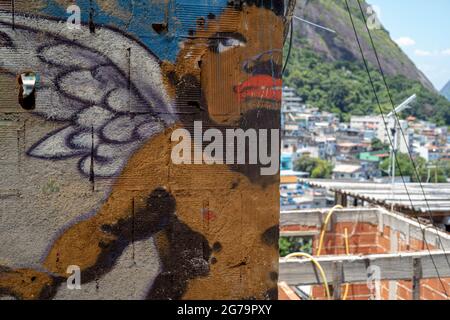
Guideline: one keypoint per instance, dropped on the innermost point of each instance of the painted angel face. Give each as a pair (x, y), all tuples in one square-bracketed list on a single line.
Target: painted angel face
[(238, 67)]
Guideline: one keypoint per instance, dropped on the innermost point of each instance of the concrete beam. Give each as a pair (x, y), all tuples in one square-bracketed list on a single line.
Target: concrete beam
[(354, 269)]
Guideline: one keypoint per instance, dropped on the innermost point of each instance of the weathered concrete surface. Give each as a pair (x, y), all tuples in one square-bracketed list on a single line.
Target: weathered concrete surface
[(86, 176)]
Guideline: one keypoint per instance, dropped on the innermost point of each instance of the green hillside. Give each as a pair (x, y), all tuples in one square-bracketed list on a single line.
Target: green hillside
[(327, 71)]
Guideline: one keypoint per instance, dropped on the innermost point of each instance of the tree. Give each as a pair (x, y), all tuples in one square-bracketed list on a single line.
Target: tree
[(323, 170), (378, 145), (305, 164), (405, 166), (344, 88), (317, 168), (284, 245), (289, 245), (439, 171), (444, 165)]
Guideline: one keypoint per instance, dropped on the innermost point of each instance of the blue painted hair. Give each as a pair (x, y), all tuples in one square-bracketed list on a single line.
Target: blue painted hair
[(180, 15)]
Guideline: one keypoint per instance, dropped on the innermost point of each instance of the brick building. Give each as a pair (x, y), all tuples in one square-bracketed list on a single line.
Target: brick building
[(374, 237)]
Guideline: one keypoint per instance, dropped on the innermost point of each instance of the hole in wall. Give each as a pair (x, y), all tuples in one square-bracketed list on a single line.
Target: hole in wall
[(27, 91), (160, 28)]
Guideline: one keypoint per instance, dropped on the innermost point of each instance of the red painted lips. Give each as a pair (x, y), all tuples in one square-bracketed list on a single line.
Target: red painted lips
[(260, 87)]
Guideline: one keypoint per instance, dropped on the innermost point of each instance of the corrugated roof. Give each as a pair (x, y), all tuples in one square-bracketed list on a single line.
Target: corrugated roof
[(435, 197)]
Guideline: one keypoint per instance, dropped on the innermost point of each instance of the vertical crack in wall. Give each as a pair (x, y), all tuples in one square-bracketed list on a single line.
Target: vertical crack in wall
[(129, 81), (13, 11), (91, 18), (133, 208), (92, 169)]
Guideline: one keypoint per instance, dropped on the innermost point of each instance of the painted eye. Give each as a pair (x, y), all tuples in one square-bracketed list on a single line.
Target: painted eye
[(227, 44), (222, 42)]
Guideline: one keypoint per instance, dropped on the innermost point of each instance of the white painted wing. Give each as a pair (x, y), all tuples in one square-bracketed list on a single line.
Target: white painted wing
[(105, 88)]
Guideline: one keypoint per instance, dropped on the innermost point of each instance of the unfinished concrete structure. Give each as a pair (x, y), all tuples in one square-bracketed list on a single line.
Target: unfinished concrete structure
[(390, 256), (86, 121)]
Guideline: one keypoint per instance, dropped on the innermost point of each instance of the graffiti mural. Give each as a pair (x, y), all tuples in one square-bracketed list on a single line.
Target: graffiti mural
[(93, 184)]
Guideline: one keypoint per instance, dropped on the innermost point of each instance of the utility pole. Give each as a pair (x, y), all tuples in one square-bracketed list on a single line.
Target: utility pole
[(435, 174), (394, 152)]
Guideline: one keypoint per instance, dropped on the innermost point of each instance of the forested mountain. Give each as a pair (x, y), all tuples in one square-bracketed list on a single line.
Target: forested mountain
[(327, 69)]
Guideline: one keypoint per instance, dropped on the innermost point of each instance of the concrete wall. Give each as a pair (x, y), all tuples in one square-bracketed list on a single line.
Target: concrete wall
[(87, 178)]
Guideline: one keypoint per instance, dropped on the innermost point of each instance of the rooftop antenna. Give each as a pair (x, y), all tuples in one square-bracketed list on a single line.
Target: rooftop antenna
[(403, 106)]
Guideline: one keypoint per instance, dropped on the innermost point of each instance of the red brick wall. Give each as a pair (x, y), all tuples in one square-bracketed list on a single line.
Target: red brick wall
[(365, 238)]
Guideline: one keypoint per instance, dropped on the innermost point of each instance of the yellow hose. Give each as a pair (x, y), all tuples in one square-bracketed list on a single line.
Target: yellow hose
[(317, 264), (347, 252), (322, 236), (325, 224)]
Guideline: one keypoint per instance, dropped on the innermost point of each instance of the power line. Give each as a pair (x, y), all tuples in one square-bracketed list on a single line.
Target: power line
[(389, 137), (315, 24), (401, 129), (290, 47), (292, 33)]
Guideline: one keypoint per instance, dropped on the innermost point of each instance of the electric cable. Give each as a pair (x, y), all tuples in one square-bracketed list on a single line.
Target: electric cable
[(290, 46), (397, 118), (386, 127)]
